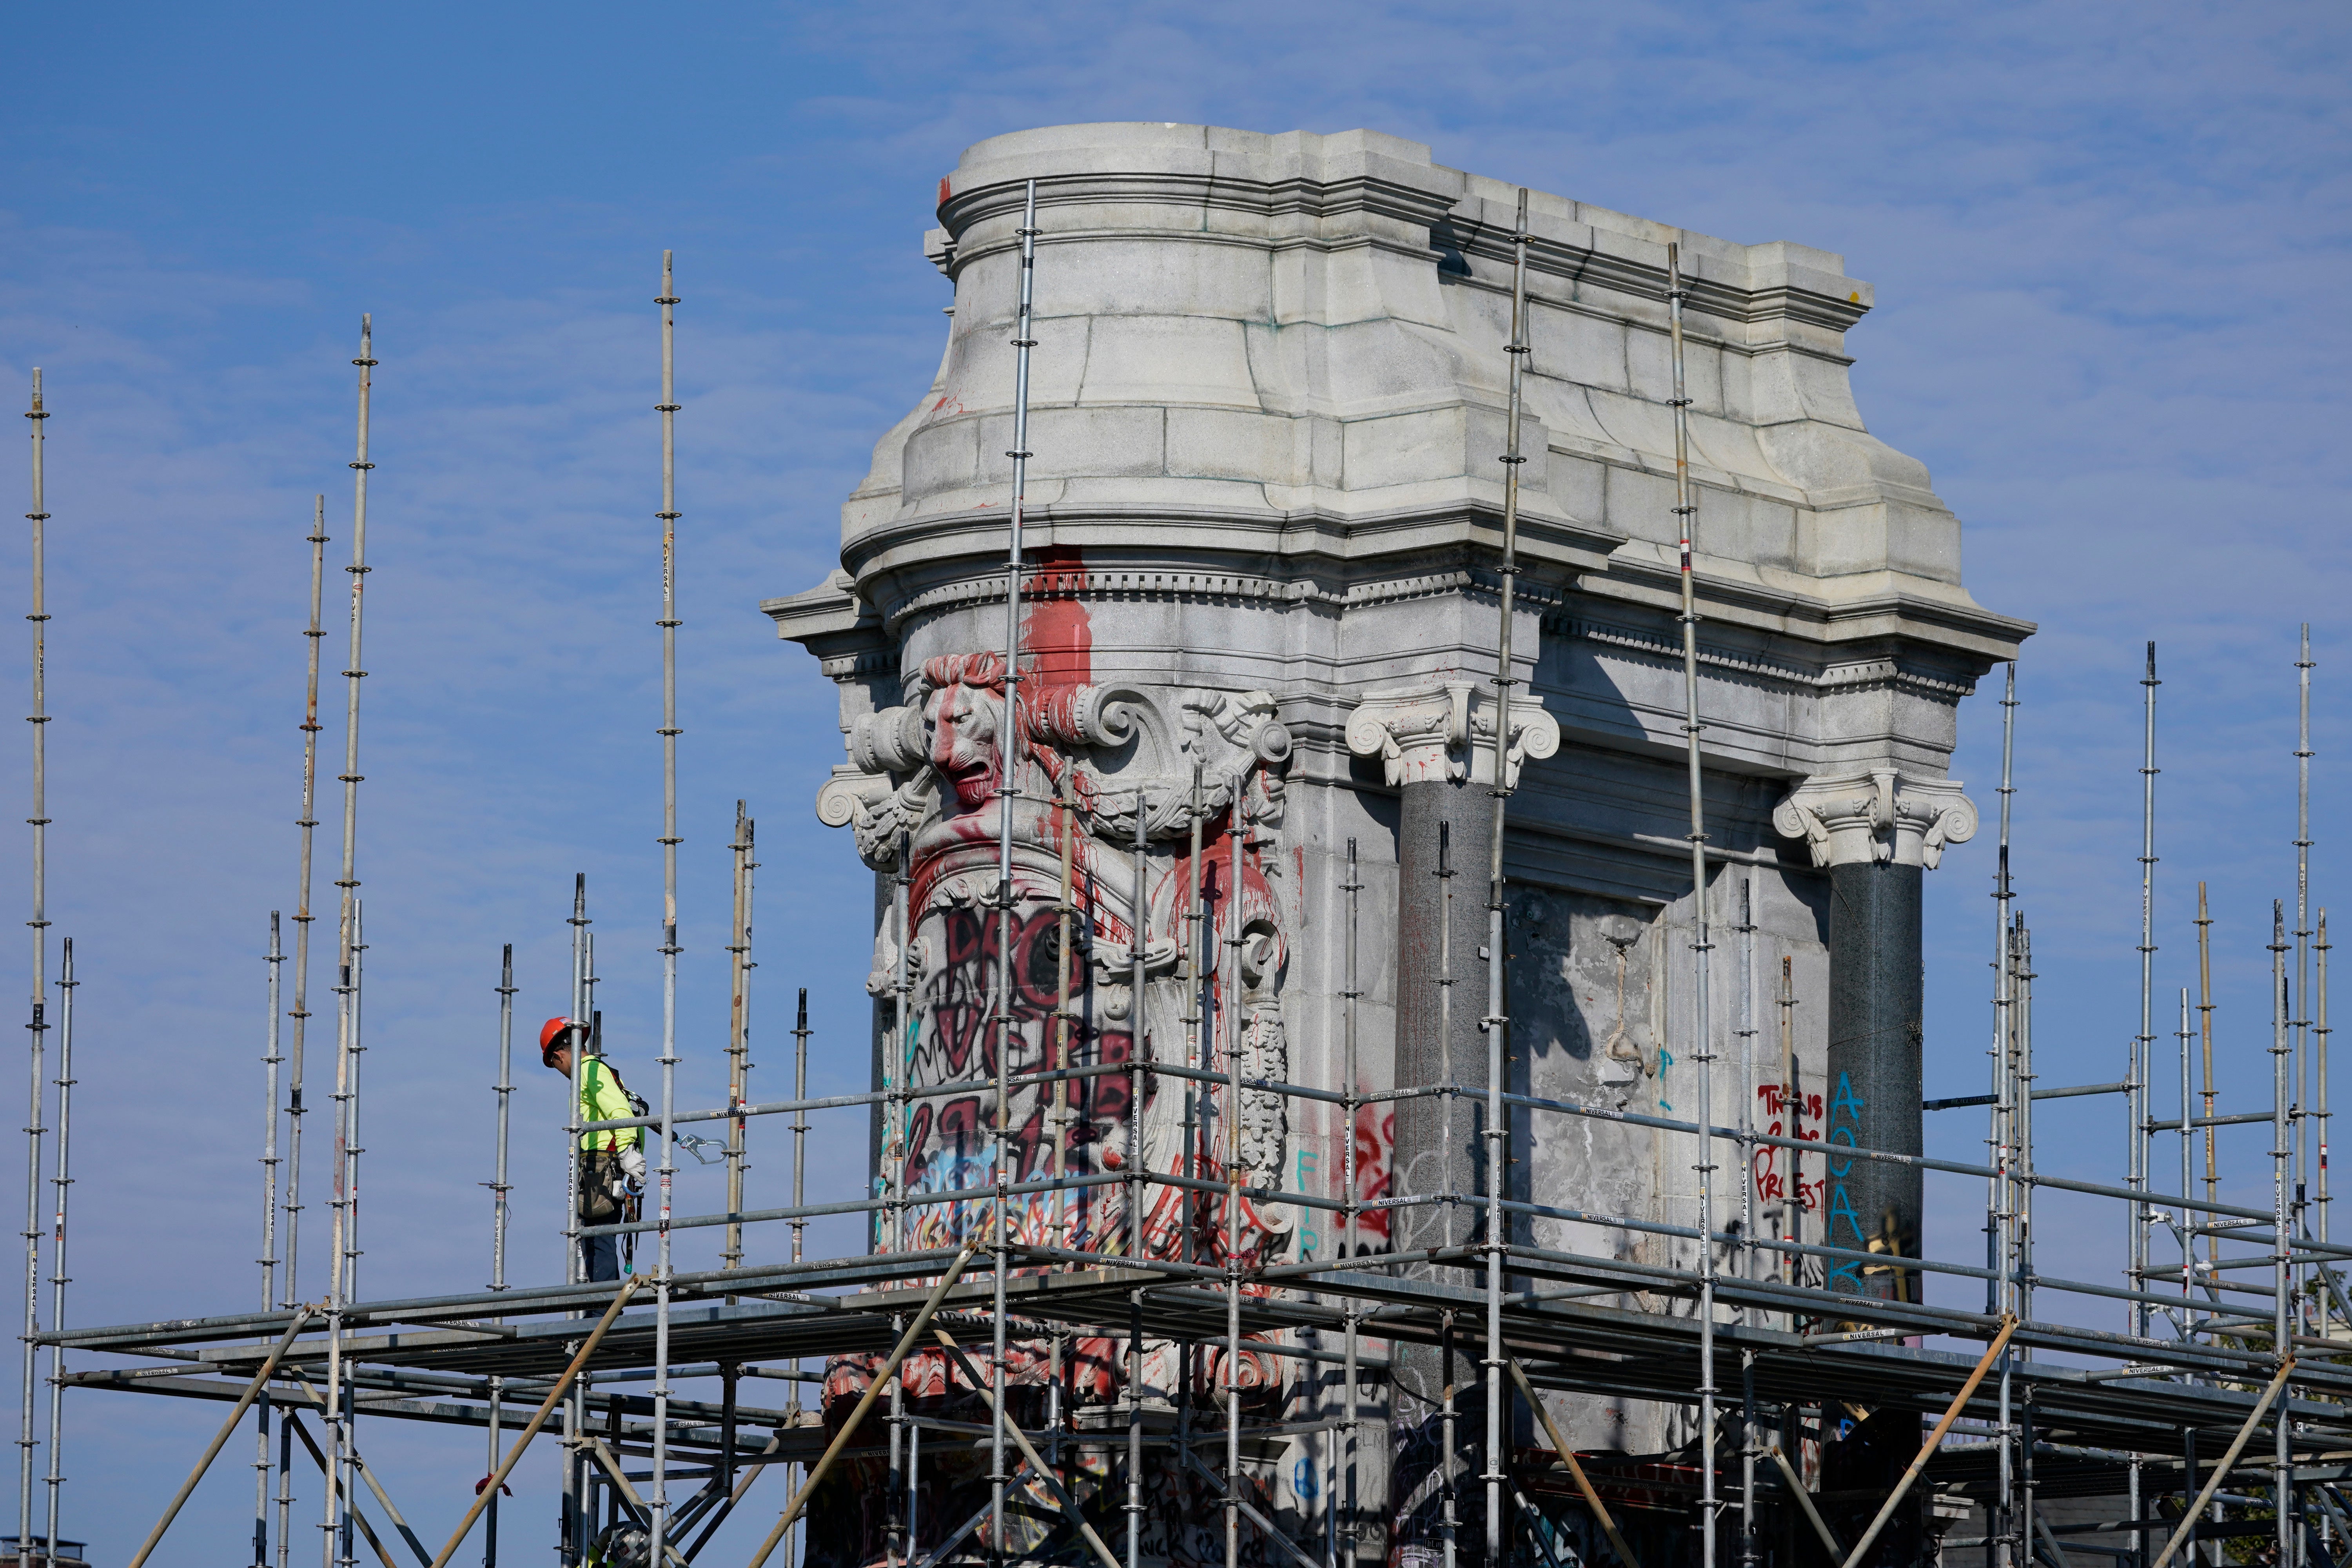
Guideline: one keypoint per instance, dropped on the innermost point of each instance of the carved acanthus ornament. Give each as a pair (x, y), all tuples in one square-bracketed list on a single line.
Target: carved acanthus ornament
[(1876, 815), (926, 780), (1441, 731)]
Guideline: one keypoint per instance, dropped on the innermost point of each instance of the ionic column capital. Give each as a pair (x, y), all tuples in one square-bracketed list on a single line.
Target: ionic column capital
[(1442, 730), (1868, 814)]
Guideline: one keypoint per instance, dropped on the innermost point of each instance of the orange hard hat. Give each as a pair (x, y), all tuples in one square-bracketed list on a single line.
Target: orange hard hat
[(553, 1033)]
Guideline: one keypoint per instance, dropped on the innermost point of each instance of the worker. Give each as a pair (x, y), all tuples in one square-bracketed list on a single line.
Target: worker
[(612, 1159)]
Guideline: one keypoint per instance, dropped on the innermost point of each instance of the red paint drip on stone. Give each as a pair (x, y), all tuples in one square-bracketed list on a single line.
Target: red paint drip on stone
[(1057, 631)]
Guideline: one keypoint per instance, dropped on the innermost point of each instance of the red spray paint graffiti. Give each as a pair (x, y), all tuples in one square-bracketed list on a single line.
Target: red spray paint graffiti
[(1768, 1166), (991, 952)]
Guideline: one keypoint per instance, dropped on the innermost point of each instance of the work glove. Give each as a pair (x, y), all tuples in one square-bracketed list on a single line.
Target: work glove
[(633, 1165)]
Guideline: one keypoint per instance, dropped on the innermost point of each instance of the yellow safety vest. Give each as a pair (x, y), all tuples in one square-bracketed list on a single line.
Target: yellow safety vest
[(601, 1098)]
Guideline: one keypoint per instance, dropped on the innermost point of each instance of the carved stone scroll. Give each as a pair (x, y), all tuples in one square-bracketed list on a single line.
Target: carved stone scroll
[(1876, 815), (986, 963), (1444, 729)]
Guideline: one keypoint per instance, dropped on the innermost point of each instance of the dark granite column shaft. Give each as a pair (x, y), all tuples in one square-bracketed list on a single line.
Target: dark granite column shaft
[(1873, 1071), (1441, 996)]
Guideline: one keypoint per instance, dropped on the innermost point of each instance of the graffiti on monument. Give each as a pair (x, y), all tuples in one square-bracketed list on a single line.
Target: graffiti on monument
[(1773, 1172), (1845, 1225), (1028, 908)]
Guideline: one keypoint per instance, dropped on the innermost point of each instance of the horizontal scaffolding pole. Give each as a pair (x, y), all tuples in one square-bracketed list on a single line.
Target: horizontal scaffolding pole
[(871, 1098), (1965, 1101)]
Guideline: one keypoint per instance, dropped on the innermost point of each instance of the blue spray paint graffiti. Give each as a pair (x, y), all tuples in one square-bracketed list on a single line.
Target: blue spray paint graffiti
[(1307, 1163), (1845, 1121)]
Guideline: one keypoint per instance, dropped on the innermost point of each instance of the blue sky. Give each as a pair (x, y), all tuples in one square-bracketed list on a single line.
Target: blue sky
[(2107, 242)]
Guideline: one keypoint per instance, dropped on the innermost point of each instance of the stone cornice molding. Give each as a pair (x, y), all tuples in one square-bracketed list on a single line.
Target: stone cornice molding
[(1358, 188), (1321, 540), (1175, 584), (1867, 814), (1175, 405), (1582, 266), (833, 622), (1437, 731), (1665, 647), (1827, 609)]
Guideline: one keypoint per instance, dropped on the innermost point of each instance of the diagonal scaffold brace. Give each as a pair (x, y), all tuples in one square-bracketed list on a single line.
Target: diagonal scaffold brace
[(319, 1457), (1805, 1500), (1576, 1471), (1029, 1451), (907, 1341), (244, 1403), (1935, 1440), (2237, 1446), (489, 1488)]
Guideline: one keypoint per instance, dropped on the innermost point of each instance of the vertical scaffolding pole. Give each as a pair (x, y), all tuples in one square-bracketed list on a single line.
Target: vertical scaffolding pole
[(2021, 1092), (1229, 1020), (570, 1517), (1449, 1518), (1351, 1108), (1138, 1042), (1496, 1024), (2000, 1221), (504, 1089), (353, 1150), (1748, 1081), (332, 1412), (1685, 508), (499, 1189), (62, 1182), (2302, 1014), (739, 1037), (2205, 1032), (271, 1057), (1057, 1121), (1449, 1089), (1008, 785), (1747, 1452), (901, 1516), (1196, 993), (2281, 1220), (285, 1491), (39, 923), (578, 1036), (902, 989), (2141, 1074), (800, 1119), (307, 822), (2319, 1110), (2003, 1029), (2001, 1239), (2024, 1095), (658, 1506), (344, 1247), (346, 1151), (1792, 1109), (2188, 1221), (1449, 1493)]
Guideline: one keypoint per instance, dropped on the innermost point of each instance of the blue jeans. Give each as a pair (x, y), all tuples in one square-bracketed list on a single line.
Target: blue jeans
[(601, 1255)]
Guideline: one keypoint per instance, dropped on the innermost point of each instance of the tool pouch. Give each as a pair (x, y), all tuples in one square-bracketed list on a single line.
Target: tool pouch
[(601, 1187)]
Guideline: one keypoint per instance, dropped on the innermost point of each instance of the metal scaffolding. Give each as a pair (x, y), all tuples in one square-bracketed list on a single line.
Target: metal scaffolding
[(2046, 1406), (449, 1360)]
